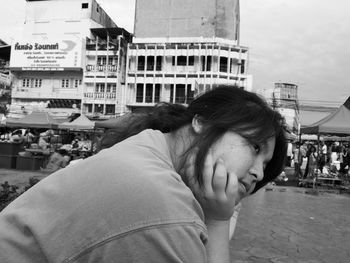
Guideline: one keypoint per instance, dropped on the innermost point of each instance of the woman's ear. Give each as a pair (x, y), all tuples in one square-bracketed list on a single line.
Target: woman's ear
[(197, 124)]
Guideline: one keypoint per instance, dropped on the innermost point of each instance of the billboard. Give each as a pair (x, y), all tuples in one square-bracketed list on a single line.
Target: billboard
[(46, 54)]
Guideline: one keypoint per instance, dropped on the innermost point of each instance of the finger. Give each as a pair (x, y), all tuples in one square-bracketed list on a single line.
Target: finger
[(208, 170), (220, 179), (189, 171), (232, 187)]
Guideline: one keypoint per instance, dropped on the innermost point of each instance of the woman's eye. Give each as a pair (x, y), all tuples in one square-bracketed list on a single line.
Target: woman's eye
[(256, 148)]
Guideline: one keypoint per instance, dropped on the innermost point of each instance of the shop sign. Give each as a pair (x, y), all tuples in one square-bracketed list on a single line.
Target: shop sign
[(46, 54)]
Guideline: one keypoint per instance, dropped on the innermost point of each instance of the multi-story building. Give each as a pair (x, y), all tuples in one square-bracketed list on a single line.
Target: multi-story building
[(285, 99), (77, 60), (181, 48), (71, 58), (5, 76), (104, 75)]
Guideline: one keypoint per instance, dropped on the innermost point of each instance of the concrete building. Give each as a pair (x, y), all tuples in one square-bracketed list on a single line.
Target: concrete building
[(182, 48), (285, 99), (71, 58), (5, 79), (5, 76), (104, 75)]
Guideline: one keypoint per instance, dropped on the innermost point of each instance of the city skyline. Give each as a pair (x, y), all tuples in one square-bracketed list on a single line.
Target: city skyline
[(303, 42)]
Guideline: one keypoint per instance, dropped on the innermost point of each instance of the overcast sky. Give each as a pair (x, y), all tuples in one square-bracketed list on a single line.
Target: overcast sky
[(305, 42)]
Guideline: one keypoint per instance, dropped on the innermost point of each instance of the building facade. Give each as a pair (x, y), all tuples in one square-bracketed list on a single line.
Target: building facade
[(285, 100), (71, 58), (76, 60), (5, 76), (182, 48)]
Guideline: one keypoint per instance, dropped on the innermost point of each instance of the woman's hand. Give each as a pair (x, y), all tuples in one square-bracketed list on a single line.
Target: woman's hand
[(218, 194)]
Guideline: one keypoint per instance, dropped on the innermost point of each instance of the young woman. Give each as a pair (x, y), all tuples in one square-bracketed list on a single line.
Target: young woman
[(163, 191)]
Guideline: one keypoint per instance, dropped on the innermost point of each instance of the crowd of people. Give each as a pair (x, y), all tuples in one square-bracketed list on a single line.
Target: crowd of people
[(60, 149), (330, 158)]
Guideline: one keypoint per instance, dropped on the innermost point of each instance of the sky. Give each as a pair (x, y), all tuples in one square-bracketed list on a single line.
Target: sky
[(304, 42)]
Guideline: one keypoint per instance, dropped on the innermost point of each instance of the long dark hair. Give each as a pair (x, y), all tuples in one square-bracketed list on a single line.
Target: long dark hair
[(225, 108)]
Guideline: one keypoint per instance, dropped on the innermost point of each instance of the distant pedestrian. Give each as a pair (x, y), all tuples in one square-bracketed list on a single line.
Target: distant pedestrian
[(323, 157), (312, 162), (289, 153), (298, 161)]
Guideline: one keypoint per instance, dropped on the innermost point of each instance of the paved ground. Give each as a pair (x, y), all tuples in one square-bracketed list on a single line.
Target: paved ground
[(288, 225), (282, 225)]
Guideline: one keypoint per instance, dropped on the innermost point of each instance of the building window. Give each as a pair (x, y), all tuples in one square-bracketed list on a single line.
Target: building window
[(99, 108), (191, 60), (37, 83), (159, 63), (141, 63), (242, 66), (26, 83), (100, 87), (110, 109), (139, 92), (88, 108), (149, 93), (77, 82), (157, 93), (232, 65), (150, 63), (206, 63), (223, 64), (84, 5), (181, 60), (101, 61), (190, 94), (111, 61), (65, 83), (180, 93)]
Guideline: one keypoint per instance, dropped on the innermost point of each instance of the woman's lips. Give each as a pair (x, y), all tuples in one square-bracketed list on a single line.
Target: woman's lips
[(245, 187)]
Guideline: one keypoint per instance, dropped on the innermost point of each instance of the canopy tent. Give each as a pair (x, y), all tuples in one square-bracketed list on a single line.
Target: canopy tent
[(36, 119), (80, 123), (337, 123), (314, 137)]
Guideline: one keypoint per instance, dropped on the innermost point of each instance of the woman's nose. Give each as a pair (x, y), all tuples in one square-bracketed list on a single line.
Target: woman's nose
[(258, 170)]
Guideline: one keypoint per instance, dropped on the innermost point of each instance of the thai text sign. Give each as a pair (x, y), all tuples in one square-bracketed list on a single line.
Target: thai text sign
[(46, 54)]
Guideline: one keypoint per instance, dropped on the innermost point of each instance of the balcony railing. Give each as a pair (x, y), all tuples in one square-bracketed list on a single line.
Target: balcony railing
[(111, 68), (113, 47), (99, 95)]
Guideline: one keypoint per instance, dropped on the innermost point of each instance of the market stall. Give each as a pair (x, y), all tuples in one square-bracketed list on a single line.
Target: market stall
[(336, 126), (84, 145), (29, 158)]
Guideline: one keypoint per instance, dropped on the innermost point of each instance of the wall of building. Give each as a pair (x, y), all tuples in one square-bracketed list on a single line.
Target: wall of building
[(49, 60), (187, 18), (45, 19)]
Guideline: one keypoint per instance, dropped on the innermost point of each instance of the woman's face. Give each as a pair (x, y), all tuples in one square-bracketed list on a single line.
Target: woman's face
[(246, 160)]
